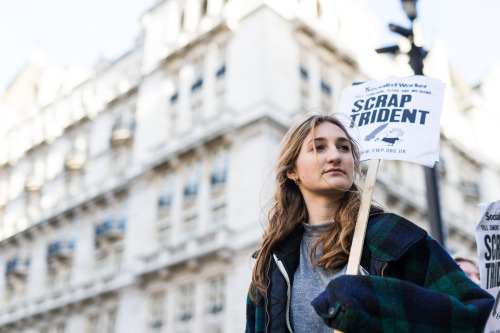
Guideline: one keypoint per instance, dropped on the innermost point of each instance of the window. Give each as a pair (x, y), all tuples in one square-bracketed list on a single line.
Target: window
[(172, 91), (65, 275), (60, 328), (76, 154), (51, 279), (9, 295), (92, 324), (172, 86), (182, 20), (108, 260), (101, 263), (58, 275), (197, 113), (112, 223), (110, 321), (35, 178), (186, 302), (219, 217), (14, 291), (164, 234), (220, 165), (198, 75), (174, 97), (190, 225), (221, 62), (104, 322), (109, 238), (304, 82), (215, 295), (219, 102), (204, 7), (156, 311), (221, 71), (123, 127), (192, 180), (220, 74), (304, 74), (319, 10), (326, 88), (118, 257)]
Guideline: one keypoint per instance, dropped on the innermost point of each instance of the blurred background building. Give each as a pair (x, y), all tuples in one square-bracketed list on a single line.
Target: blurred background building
[(132, 198)]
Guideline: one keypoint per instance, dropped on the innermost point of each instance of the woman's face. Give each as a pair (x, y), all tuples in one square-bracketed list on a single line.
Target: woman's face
[(331, 173)]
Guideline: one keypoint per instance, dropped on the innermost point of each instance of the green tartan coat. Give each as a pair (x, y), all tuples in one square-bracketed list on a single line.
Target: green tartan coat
[(414, 286)]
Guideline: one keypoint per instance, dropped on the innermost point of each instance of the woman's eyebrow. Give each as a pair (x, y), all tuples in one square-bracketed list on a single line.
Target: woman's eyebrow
[(317, 140), (321, 139), (342, 139)]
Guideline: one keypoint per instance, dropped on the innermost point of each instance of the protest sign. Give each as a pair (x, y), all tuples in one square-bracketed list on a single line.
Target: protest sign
[(488, 250), (393, 119), (397, 118)]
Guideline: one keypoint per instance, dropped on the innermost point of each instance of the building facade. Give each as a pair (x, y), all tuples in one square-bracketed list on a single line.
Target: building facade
[(131, 198)]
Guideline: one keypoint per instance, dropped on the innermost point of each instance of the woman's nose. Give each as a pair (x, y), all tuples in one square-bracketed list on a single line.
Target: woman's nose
[(333, 155)]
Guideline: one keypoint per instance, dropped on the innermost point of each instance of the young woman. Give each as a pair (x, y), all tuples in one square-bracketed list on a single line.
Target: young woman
[(408, 282)]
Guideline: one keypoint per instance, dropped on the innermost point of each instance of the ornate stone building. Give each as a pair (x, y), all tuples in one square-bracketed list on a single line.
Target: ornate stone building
[(132, 197)]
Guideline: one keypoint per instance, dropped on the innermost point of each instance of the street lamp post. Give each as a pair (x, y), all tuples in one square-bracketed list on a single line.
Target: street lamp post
[(417, 55)]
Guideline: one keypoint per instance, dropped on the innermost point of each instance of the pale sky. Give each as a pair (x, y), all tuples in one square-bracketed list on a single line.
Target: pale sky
[(67, 32), (78, 32)]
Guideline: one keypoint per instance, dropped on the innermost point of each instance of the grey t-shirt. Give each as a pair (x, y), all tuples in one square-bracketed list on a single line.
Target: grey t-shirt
[(309, 283)]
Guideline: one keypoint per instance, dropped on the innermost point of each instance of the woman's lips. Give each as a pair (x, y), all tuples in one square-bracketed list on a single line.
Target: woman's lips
[(334, 170)]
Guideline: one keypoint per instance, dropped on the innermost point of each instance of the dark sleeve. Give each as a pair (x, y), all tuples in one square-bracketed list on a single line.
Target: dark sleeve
[(255, 315), (432, 294), (250, 315)]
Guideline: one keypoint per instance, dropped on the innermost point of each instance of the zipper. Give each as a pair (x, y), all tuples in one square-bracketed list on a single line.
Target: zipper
[(282, 269), (383, 270)]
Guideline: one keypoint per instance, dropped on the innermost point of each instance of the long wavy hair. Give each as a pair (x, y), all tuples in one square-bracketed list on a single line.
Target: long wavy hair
[(288, 209)]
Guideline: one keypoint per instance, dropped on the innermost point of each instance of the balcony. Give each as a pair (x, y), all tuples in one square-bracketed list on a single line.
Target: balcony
[(60, 250), (75, 161), (17, 267), (33, 184), (110, 229), (122, 133)]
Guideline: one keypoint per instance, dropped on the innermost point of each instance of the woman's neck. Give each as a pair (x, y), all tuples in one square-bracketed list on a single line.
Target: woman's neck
[(320, 211)]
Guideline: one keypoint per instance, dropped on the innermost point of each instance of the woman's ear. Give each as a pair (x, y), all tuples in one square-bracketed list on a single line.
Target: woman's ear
[(291, 174)]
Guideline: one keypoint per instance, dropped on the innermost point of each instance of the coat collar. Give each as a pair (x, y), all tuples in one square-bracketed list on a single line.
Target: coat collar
[(388, 237), (291, 243)]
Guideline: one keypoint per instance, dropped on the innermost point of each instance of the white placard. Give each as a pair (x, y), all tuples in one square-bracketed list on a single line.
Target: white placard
[(397, 118), (488, 250)]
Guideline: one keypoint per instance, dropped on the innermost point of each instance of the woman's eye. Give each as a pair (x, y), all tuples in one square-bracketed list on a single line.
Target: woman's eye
[(320, 147), (345, 148)]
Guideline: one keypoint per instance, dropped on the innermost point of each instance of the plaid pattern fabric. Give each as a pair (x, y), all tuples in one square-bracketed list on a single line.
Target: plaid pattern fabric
[(422, 290), (255, 316)]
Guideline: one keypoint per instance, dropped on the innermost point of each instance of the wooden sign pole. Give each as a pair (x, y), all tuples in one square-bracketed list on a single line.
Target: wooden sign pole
[(362, 222)]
